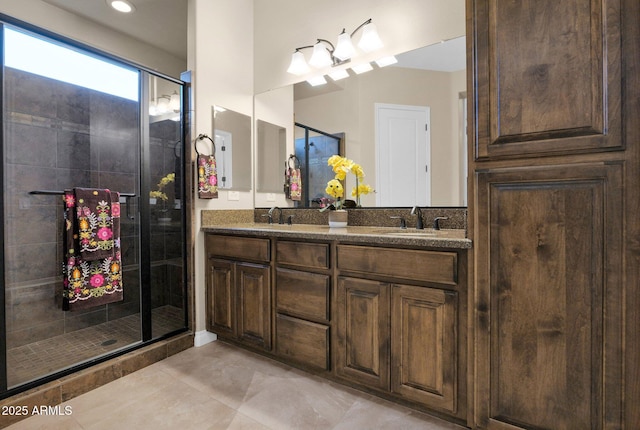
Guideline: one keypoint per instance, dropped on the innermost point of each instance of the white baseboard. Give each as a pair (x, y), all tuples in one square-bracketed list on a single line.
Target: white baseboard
[(203, 337)]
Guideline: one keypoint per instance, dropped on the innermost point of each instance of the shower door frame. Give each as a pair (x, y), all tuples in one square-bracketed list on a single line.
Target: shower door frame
[(340, 137), (143, 205)]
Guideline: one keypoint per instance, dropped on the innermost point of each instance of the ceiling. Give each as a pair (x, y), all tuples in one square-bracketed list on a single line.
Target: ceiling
[(163, 24), (159, 23), (446, 56)]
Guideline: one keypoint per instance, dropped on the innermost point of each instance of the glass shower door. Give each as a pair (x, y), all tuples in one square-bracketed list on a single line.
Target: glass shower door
[(60, 135), (165, 149), (60, 132)]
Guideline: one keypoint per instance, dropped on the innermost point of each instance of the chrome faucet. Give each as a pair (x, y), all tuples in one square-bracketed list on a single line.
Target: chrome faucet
[(419, 223), (280, 216)]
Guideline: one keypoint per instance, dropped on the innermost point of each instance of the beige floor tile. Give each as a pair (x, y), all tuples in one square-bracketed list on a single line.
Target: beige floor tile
[(221, 387), (43, 422), (382, 415)]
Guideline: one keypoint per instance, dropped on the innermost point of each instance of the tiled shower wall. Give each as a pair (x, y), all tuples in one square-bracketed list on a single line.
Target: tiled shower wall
[(61, 136), (166, 239)]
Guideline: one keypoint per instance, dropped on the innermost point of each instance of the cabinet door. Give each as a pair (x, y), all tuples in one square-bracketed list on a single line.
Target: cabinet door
[(362, 349), (254, 304), (547, 76), (549, 303), (423, 345), (221, 295)]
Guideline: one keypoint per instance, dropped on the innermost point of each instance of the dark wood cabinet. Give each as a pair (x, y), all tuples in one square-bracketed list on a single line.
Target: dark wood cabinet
[(302, 303), (362, 328), (400, 321), (221, 298), (424, 345), (391, 320), (555, 173), (253, 292), (239, 292)]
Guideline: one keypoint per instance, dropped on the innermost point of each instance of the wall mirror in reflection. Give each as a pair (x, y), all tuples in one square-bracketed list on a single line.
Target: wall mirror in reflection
[(272, 153), (232, 136)]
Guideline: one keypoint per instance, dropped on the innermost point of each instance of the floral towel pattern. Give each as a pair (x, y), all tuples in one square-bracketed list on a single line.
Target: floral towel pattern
[(95, 222), (90, 282), (207, 177), (295, 185)]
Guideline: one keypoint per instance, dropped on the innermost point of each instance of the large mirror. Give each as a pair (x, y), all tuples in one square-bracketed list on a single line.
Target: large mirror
[(371, 112), (272, 152), (403, 123), (232, 137)]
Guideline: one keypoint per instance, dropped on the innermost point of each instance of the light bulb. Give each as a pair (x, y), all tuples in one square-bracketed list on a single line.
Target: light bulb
[(298, 64), (320, 57), (370, 41), (344, 48)]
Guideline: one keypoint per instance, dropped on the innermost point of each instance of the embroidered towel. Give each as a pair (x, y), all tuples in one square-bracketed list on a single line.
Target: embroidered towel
[(94, 281), (207, 177), (292, 179), (95, 223), (207, 171)]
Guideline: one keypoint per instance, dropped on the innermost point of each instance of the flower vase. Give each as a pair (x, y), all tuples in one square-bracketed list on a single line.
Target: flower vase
[(338, 218)]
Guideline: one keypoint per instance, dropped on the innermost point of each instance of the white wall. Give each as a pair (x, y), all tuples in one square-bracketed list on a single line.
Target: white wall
[(48, 17), (220, 45)]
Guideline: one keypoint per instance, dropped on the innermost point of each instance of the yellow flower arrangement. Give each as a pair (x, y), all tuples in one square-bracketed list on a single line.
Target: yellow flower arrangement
[(341, 166), (159, 194)]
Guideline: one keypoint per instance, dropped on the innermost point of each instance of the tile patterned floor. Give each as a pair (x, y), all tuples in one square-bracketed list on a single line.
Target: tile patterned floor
[(38, 359), (218, 386)]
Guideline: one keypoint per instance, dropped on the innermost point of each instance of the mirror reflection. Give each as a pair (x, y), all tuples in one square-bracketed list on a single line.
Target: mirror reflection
[(405, 124), (232, 136), (272, 153)]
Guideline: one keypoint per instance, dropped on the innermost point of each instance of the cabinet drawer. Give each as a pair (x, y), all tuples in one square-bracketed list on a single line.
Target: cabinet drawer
[(431, 266), (302, 294), (303, 254), (241, 248), (303, 341)]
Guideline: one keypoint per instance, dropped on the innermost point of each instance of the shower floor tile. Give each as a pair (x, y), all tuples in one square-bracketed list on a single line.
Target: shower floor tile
[(38, 359)]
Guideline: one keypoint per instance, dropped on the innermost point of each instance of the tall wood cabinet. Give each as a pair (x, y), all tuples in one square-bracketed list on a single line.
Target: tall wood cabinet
[(556, 183)]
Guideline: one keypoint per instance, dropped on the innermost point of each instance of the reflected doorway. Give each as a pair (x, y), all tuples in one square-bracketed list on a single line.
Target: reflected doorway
[(403, 153)]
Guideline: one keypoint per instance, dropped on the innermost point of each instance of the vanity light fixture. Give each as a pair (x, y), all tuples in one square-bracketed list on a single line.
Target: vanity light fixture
[(325, 54), (174, 102), (123, 6)]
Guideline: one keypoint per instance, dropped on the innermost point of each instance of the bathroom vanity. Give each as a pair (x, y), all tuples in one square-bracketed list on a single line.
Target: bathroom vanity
[(377, 308)]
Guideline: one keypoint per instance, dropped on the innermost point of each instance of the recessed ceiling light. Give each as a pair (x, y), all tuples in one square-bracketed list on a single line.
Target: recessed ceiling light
[(121, 5)]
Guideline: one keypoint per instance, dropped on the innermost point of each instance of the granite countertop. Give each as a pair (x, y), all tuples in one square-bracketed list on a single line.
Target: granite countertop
[(454, 238)]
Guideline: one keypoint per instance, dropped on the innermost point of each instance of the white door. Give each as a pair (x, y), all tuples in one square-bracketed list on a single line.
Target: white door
[(403, 152)]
